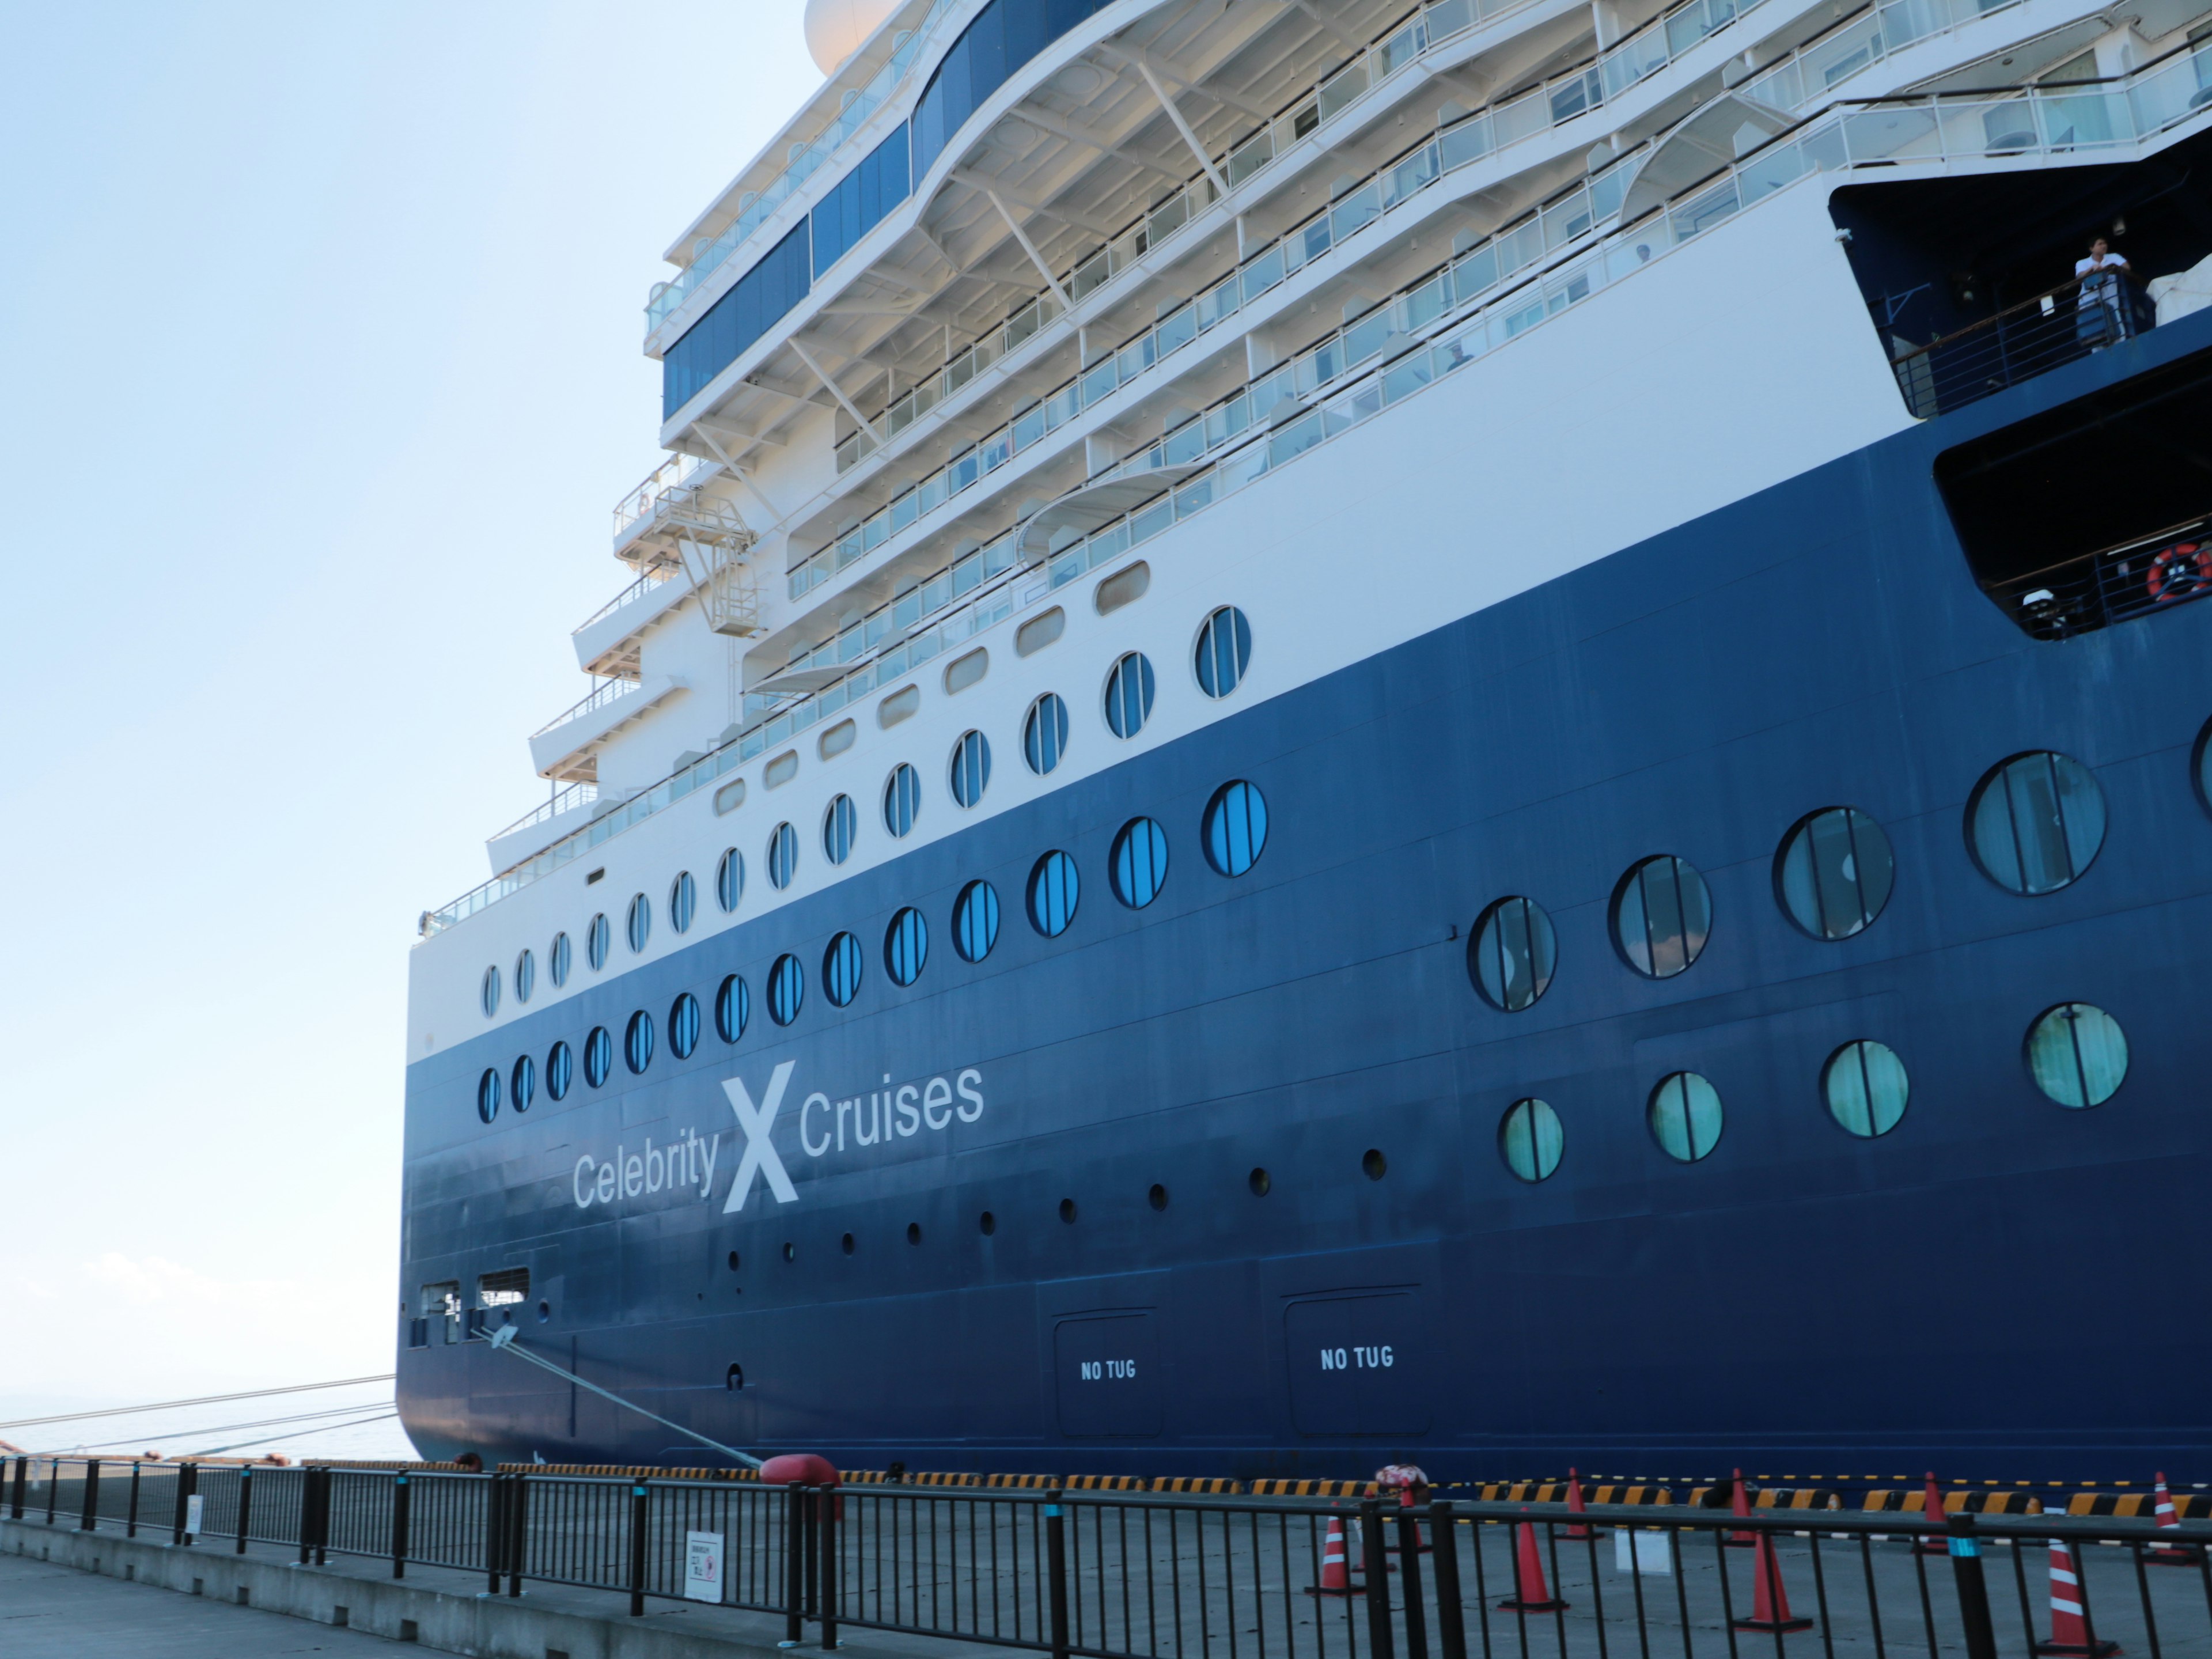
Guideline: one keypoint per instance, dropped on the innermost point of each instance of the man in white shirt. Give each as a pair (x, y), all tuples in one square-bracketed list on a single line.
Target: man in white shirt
[(2101, 315)]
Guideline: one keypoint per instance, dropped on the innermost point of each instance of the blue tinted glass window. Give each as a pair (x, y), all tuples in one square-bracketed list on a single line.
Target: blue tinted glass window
[(1512, 953), (556, 959), (730, 879), (1054, 890), (526, 977), (901, 798), (858, 202), (906, 947), (732, 323), (1044, 734), (1662, 916), (637, 1042), (2036, 823), (1834, 872), (838, 824), (841, 969), (786, 989), (1139, 863), (683, 900), (596, 939), (488, 1094), (1129, 694), (522, 1083), (975, 921), (2077, 1055), (1685, 1116), (971, 768), (1225, 650), (1866, 1089), (1530, 1140), (560, 1067), (1236, 828), (733, 1009), (1005, 35), (488, 992), (638, 927), (783, 855), (683, 1025), (598, 1056)]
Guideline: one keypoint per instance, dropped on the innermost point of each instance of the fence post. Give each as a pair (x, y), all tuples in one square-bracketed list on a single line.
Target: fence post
[(399, 1491), (244, 1504), (518, 1532), (637, 1526), (326, 1487), (311, 1484), (188, 1476), (22, 1474), (495, 1530), (1409, 1564), (89, 1519), (794, 1565), (1055, 1544), (131, 1526), (827, 1500), (1451, 1623), (1973, 1590), (1377, 1561), (53, 1486)]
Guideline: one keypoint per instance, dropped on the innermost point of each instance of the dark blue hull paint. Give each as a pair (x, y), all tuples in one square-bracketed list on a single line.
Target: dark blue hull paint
[(1999, 1287)]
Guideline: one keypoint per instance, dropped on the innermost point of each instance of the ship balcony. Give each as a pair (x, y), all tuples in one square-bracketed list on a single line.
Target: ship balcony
[(607, 640), (566, 748), (568, 810)]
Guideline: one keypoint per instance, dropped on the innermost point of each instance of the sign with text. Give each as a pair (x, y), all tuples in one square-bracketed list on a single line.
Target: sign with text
[(195, 1511), (703, 1566)]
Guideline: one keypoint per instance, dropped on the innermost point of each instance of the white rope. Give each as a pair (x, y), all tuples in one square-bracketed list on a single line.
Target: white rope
[(207, 1400), (503, 1341)]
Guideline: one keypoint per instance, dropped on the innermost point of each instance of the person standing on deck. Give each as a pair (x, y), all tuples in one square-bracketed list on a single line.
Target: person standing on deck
[(2101, 313)]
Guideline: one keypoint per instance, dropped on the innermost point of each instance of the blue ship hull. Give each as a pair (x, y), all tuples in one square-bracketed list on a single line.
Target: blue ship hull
[(1999, 1287)]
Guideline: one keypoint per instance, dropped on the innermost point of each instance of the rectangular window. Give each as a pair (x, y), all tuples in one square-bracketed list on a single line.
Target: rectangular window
[(860, 200), (503, 1289), (759, 302)]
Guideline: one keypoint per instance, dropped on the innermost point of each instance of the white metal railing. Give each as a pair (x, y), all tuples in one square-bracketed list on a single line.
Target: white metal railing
[(564, 799), (631, 595), (602, 694), (806, 160), (676, 473), (1884, 133)]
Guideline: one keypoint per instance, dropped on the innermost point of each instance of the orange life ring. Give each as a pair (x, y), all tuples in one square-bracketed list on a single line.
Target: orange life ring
[(2180, 572)]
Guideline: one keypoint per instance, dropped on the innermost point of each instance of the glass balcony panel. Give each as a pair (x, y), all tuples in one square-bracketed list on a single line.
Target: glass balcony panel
[(1100, 381), (1177, 328), (1339, 93), (905, 510), (1029, 427)]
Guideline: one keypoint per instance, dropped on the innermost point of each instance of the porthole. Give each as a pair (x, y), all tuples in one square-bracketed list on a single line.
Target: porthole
[(1122, 587), (488, 992), (839, 823), (901, 798), (730, 797), (1834, 872), (971, 768), (781, 770), (913, 1232), (683, 1025), (734, 1008), (965, 672), (1157, 1197), (683, 902), (637, 1042), (847, 1243), (522, 1083), (987, 1223), (1373, 1164), (841, 969), (2035, 823), (556, 960), (1044, 734), (836, 740), (1052, 893), (1138, 866), (560, 1067), (1662, 916), (975, 921), (901, 705), (1067, 1211), (1511, 954), (598, 1056), (1129, 694), (790, 1251), (1865, 1086), (2077, 1055), (488, 1094), (786, 989), (735, 1260), (597, 937), (1235, 829), (637, 928), (1225, 650), (544, 1312), (730, 879), (1685, 1116), (906, 947), (526, 977), (1260, 1183), (783, 855), (1530, 1140), (1039, 631)]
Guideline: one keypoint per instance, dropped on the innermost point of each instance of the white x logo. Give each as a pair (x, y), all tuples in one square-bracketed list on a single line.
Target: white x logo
[(760, 1152)]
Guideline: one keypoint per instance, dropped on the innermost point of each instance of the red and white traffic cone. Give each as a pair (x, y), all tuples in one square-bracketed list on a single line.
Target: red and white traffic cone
[(1932, 1507), (1335, 1571), (1770, 1602), (2176, 1554), (1580, 1530), (1530, 1592), (2069, 1626), (1740, 1501)]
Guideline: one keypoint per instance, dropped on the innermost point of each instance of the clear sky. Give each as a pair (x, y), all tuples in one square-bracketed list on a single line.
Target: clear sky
[(319, 375)]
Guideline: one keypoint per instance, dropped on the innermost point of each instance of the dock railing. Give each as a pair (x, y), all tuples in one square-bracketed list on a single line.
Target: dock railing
[(1150, 1575)]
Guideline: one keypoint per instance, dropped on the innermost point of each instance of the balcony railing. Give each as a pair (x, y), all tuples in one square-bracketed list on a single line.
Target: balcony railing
[(677, 473), (601, 695), (2018, 344), (631, 595), (2156, 572), (565, 799)]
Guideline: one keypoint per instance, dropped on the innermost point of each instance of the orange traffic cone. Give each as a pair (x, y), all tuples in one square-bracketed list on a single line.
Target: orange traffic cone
[(1770, 1602), (1740, 1501), (2070, 1628), (1932, 1506), (1335, 1574), (1580, 1530), (1530, 1593), (2171, 1555)]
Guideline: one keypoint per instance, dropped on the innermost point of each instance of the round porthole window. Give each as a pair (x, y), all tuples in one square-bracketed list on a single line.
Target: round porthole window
[(839, 825), (975, 921), (639, 927), (596, 939), (598, 1056), (488, 1094), (556, 959), (560, 1067), (637, 1042), (1044, 734), (2077, 1055), (522, 1083), (1052, 893), (1865, 1086), (783, 855), (1530, 1140), (1833, 873), (1235, 829), (786, 989), (683, 902), (971, 768), (906, 947), (841, 969), (683, 1025), (1683, 1113), (901, 798), (1138, 867), (2036, 823), (734, 1008), (488, 992), (526, 977), (730, 879), (1512, 953), (1129, 694), (1224, 649), (1662, 916)]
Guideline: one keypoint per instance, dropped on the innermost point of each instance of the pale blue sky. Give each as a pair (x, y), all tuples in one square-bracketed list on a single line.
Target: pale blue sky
[(318, 377)]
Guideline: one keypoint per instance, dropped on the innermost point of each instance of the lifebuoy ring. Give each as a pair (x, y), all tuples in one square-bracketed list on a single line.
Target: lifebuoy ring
[(2180, 572)]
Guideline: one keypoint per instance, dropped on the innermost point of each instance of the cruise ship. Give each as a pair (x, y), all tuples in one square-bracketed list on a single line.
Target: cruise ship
[(1346, 732)]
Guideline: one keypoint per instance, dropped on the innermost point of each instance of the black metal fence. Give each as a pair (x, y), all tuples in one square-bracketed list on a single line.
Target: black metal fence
[(2016, 344), (2154, 573), (1110, 1575)]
